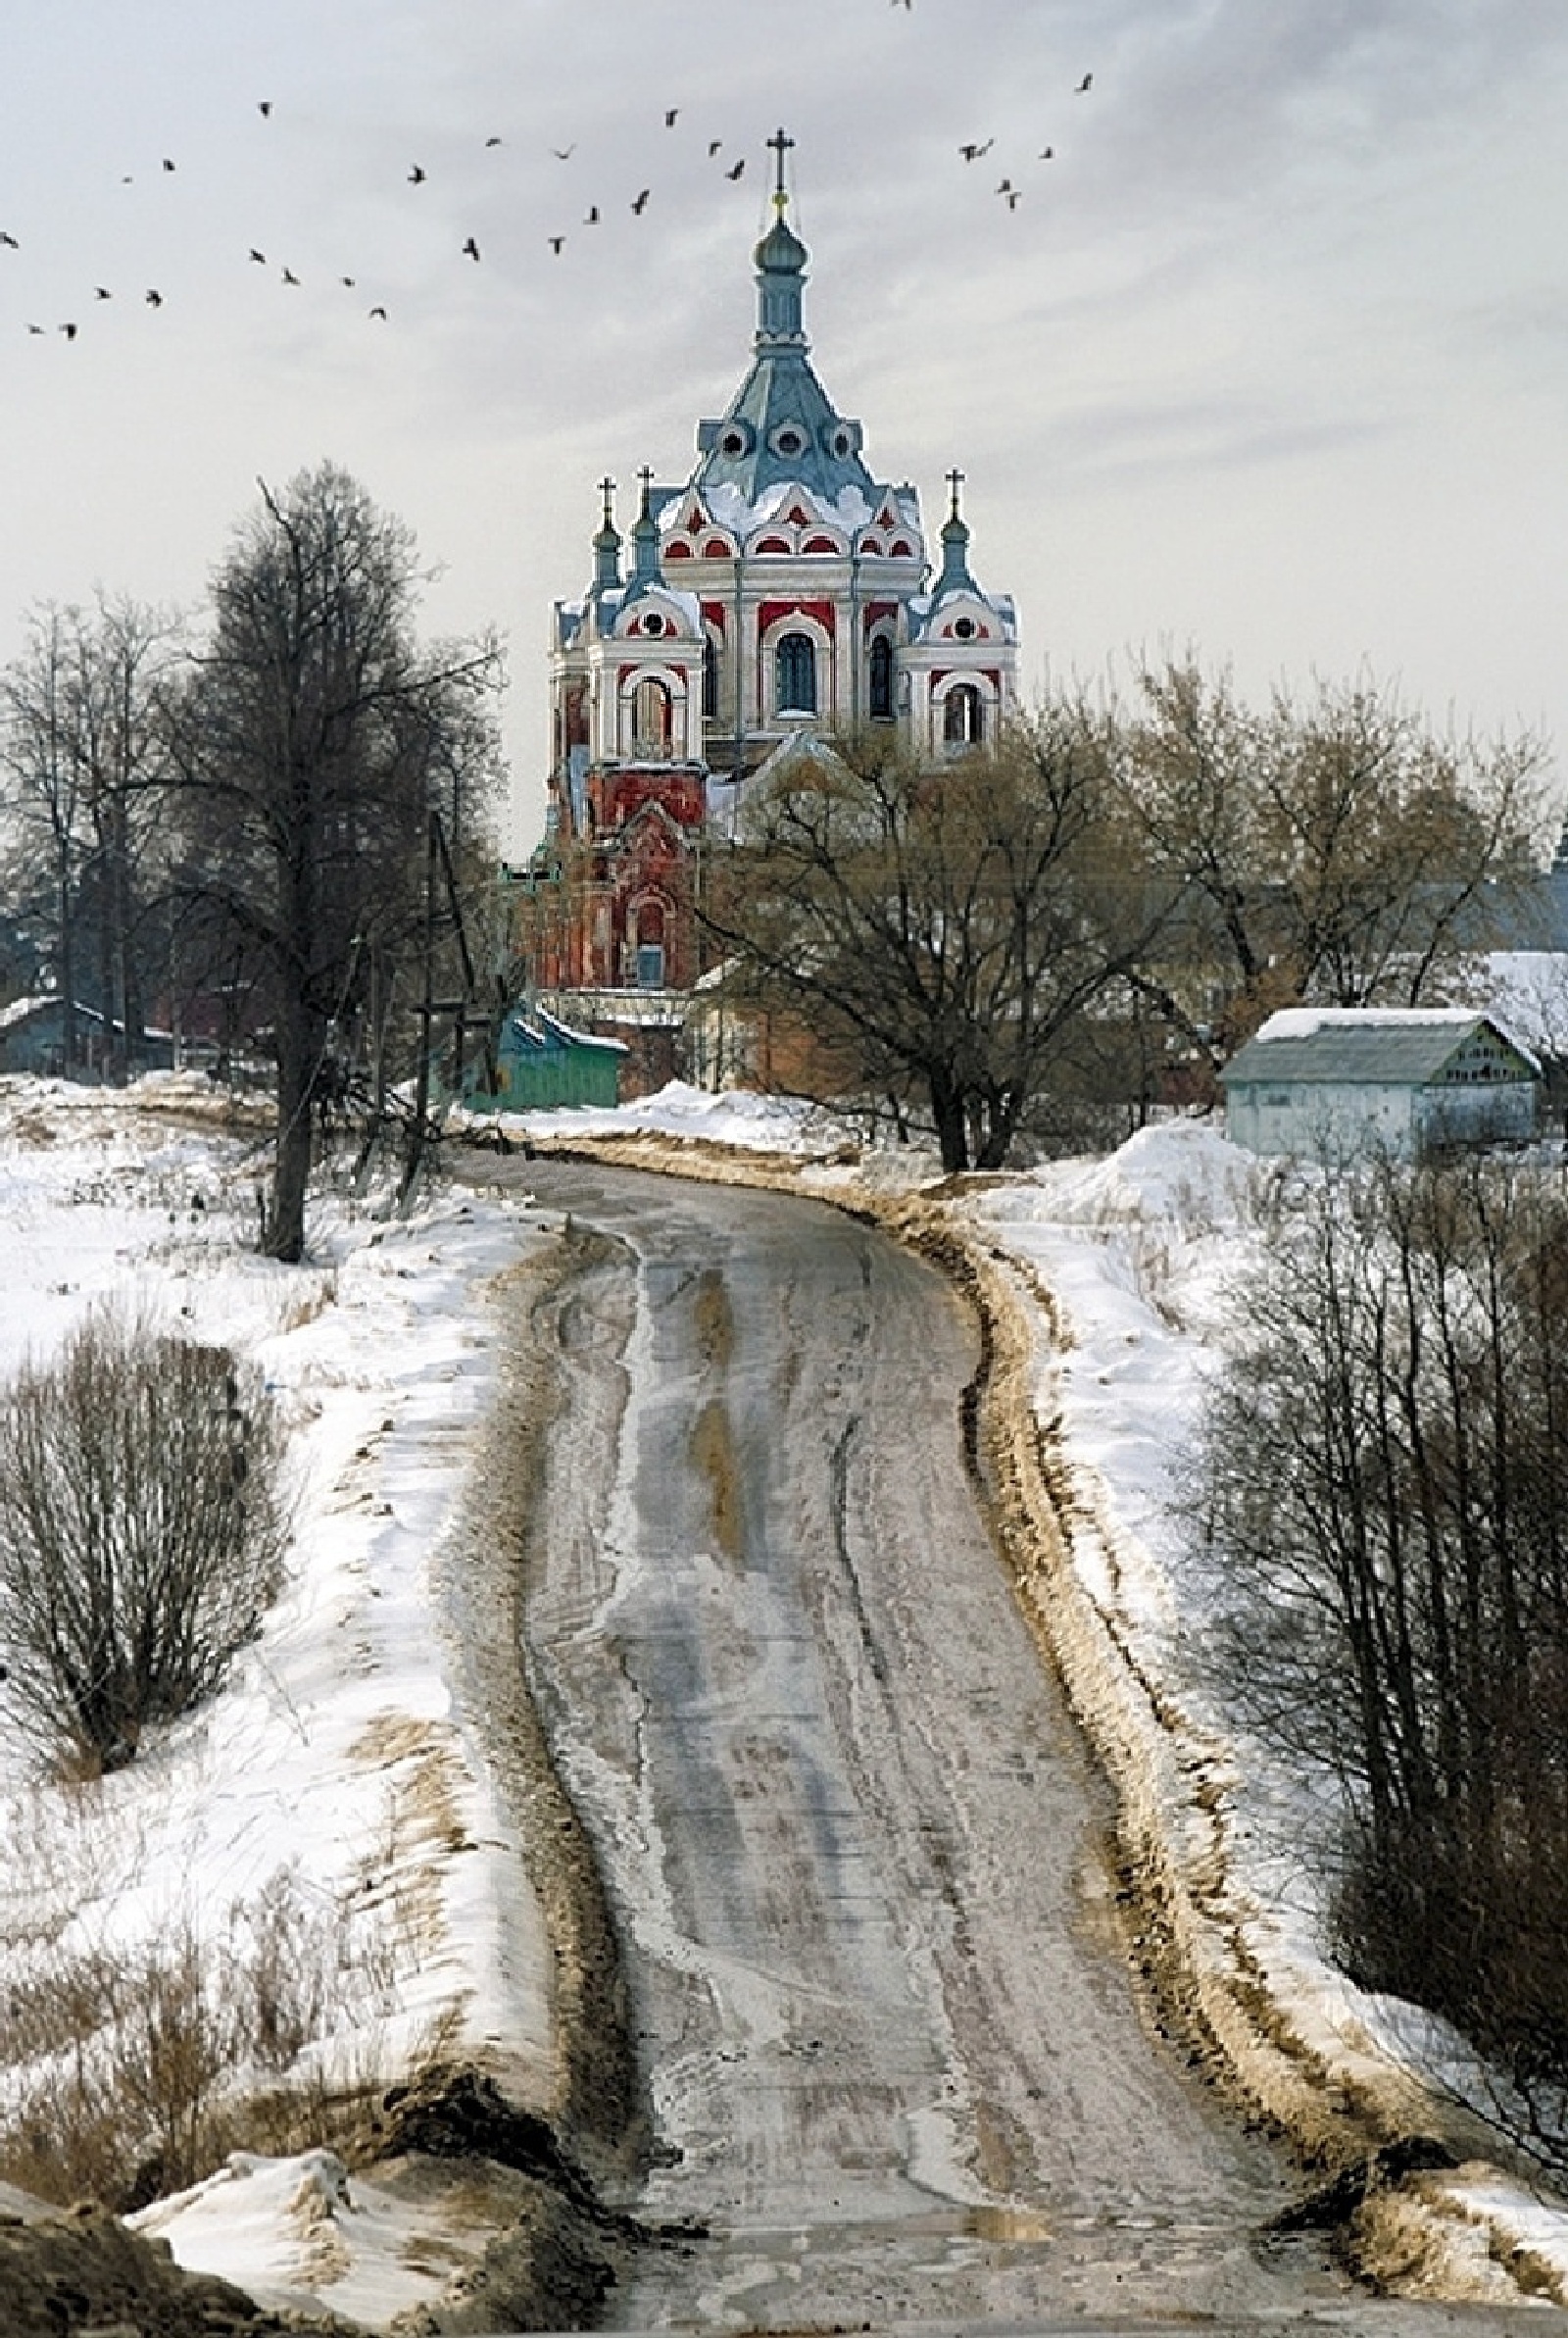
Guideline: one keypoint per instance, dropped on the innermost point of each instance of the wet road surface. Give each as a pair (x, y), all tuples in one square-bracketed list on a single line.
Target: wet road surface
[(853, 1848)]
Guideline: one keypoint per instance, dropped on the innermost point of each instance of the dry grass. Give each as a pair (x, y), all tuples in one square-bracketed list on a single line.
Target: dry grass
[(130, 2072)]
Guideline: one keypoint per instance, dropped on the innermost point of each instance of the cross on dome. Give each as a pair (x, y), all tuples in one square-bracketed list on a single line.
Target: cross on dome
[(780, 142)]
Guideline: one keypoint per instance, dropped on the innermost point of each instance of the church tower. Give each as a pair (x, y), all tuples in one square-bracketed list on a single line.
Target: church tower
[(780, 590)]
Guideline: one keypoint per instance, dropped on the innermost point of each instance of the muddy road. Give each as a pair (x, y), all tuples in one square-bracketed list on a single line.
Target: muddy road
[(855, 1854)]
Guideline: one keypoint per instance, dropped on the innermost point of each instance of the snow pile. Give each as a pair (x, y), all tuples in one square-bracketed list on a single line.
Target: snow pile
[(301, 2232), (786, 1124)]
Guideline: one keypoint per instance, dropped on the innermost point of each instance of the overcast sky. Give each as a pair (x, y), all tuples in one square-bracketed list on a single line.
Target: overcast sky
[(1269, 359)]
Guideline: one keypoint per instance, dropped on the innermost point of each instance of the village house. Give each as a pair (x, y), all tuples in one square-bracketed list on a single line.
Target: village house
[(1327, 1082)]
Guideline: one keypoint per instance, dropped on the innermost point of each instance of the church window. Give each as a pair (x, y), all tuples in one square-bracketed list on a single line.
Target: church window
[(871, 545), (735, 440), (677, 551), (963, 627), (648, 946), (795, 668), (788, 441), (715, 549), (820, 544), (963, 717), (650, 717), (772, 544), (881, 680), (710, 680), (653, 622), (899, 550)]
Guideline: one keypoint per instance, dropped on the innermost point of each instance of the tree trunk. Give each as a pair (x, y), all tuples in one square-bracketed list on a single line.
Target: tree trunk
[(952, 1122), (298, 1049)]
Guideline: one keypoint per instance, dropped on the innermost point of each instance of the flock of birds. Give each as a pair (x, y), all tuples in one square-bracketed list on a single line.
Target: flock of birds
[(418, 176)]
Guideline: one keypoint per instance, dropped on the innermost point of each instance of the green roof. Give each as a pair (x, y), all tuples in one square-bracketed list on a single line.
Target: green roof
[(1378, 1047)]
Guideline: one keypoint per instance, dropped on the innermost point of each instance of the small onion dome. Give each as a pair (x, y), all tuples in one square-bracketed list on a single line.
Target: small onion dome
[(781, 252)]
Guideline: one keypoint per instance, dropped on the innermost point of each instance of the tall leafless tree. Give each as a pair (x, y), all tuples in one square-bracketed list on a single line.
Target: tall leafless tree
[(84, 730), (1330, 848), (941, 933), (316, 739), (1385, 1500)]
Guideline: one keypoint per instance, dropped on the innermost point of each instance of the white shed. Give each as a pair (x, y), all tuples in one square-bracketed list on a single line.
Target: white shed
[(1329, 1081)]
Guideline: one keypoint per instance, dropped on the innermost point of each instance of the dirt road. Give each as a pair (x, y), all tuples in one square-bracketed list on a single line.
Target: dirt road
[(852, 1845)]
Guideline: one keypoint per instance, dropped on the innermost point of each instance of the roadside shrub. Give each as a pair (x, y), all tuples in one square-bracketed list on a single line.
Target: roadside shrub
[(1385, 1490), (130, 2071), (141, 1533)]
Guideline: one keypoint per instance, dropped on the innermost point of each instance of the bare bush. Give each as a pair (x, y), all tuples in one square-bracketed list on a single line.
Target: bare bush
[(141, 1533), (1386, 1492), (131, 2072)]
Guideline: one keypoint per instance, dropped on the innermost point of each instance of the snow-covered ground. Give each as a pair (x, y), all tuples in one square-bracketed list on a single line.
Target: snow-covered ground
[(340, 1754)]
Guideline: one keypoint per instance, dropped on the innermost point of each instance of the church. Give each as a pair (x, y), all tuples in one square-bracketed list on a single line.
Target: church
[(781, 590)]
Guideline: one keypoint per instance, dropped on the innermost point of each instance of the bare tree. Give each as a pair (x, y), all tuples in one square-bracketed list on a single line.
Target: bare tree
[(83, 729), (942, 934), (317, 738), (43, 788), (1386, 1500), (141, 1533), (1331, 849)]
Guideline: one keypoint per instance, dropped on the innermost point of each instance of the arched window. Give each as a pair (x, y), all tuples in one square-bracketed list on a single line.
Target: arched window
[(963, 717), (650, 717), (795, 666), (710, 679), (648, 946), (881, 680)]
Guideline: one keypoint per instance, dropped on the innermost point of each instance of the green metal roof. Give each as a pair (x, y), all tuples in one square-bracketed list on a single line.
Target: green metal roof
[(1378, 1048)]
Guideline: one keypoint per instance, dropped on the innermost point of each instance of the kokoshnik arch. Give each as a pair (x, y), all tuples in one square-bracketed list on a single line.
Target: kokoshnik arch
[(780, 591)]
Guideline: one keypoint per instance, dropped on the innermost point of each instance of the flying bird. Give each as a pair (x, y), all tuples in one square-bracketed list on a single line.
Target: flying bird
[(972, 152), (154, 298), (263, 107), (592, 219), (471, 249), (563, 154), (289, 278), (672, 114), (1046, 153), (9, 241), (70, 332), (379, 311), (1005, 188), (554, 242), (639, 202), (260, 258), (348, 281), (168, 165), (738, 168), (1014, 198), (492, 141), (416, 177), (102, 292), (36, 328), (1083, 84), (714, 145)]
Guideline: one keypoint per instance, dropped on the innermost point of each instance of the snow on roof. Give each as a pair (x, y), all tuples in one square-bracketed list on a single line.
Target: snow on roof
[(1362, 1043), (576, 1038), (1300, 1023), (734, 510)]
